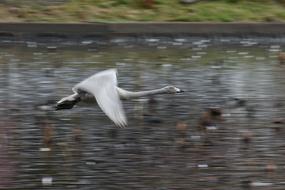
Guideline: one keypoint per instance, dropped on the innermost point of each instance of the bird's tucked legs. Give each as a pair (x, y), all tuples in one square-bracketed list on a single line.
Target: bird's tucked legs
[(67, 102)]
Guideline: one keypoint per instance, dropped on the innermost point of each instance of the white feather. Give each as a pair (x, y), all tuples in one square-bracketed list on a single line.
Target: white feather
[(103, 86)]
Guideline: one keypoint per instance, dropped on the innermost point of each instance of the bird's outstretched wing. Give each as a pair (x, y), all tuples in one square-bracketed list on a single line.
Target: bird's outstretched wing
[(103, 86)]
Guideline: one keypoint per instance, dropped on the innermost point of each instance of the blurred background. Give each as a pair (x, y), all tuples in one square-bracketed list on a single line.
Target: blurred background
[(142, 10), (226, 131)]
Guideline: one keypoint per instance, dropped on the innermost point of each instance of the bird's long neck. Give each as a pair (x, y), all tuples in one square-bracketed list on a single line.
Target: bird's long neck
[(124, 94)]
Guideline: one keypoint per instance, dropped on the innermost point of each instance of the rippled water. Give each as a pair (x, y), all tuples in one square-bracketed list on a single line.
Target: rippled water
[(166, 145)]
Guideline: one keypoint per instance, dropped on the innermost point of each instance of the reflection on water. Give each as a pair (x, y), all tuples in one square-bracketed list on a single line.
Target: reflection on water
[(171, 142)]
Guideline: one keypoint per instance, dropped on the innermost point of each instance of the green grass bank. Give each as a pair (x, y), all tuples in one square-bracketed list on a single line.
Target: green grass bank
[(81, 11)]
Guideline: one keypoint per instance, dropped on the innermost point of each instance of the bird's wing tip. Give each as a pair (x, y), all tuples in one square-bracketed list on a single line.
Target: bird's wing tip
[(121, 124)]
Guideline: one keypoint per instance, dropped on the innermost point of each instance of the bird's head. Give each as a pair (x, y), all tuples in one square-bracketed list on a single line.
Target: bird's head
[(172, 90)]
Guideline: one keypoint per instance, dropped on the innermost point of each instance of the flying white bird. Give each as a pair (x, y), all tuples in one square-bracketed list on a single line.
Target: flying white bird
[(103, 87)]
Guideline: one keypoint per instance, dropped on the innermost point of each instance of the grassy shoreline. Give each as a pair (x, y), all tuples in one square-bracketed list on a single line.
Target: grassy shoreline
[(80, 11)]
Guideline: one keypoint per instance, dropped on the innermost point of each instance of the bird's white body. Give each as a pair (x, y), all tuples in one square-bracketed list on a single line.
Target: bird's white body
[(103, 86)]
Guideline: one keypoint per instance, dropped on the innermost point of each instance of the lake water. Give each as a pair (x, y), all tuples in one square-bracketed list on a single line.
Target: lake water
[(164, 146)]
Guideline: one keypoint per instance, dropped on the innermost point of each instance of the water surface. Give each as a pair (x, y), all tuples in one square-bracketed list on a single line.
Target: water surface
[(82, 149)]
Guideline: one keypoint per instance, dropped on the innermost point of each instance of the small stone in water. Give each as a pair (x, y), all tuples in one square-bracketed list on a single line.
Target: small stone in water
[(202, 165), (180, 40), (260, 184), (271, 167), (44, 149), (90, 163), (195, 137), (181, 126), (87, 42), (226, 115), (51, 47), (152, 40), (274, 50), (181, 142), (275, 47), (167, 65), (47, 180), (32, 44), (211, 127)]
